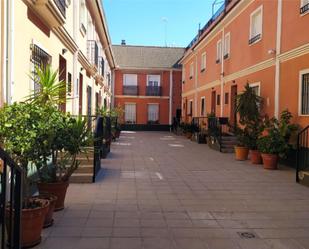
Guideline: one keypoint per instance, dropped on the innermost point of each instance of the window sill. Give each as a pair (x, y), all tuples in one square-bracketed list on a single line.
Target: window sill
[(255, 39)]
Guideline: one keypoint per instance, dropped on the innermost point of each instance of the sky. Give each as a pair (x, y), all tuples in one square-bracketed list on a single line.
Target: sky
[(143, 22)]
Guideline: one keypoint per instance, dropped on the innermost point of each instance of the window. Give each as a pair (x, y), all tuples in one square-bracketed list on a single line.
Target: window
[(226, 98), (190, 111), (40, 59), (256, 19), (153, 113), (183, 75), (130, 113), (218, 99), (256, 88), (69, 85), (130, 79), (219, 51), (191, 71), (304, 93), (153, 80), (304, 6), (203, 106), (227, 40), (82, 16), (203, 62)]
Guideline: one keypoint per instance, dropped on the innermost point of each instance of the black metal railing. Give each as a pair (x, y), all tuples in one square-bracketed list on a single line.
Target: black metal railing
[(102, 66), (11, 202), (93, 52), (61, 6), (304, 9), (153, 90), (130, 90), (302, 163), (255, 38)]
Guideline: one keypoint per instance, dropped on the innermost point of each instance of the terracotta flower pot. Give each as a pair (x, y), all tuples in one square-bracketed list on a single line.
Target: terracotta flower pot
[(58, 189), (32, 221), (241, 153), (52, 203), (255, 157), (270, 161)]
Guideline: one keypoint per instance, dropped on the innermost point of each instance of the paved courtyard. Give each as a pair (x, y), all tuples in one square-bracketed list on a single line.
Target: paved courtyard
[(161, 191)]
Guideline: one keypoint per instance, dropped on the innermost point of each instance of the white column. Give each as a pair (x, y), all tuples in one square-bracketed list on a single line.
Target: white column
[(75, 86), (278, 51), (171, 98)]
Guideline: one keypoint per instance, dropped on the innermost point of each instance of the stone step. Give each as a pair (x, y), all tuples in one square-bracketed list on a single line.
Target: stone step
[(81, 178), (304, 177), (84, 168), (227, 150), (228, 138)]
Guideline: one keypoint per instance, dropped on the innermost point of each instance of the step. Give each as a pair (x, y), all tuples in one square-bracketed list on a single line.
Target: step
[(229, 142), (81, 178), (84, 168), (228, 138), (227, 150)]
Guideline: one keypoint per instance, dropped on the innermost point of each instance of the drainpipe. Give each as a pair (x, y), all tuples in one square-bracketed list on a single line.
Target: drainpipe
[(196, 83), (171, 100), (75, 102), (222, 74), (113, 86), (9, 53), (278, 51)]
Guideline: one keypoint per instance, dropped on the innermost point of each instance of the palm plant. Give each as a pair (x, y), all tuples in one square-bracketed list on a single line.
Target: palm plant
[(51, 91)]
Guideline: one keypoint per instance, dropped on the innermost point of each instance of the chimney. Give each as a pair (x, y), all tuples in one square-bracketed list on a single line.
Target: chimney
[(123, 42)]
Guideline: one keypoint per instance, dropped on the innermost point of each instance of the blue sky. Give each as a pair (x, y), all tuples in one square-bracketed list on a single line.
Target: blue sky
[(142, 22)]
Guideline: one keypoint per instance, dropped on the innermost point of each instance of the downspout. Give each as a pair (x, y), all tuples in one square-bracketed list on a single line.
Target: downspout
[(278, 51), (222, 74), (113, 86), (196, 83), (75, 102), (171, 99), (9, 54)]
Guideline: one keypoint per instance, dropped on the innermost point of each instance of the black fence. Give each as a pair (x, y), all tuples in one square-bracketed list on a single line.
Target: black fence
[(11, 202), (302, 153), (130, 90), (153, 90)]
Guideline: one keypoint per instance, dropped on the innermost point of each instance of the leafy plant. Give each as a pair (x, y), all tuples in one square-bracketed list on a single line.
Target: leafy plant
[(51, 91), (279, 134)]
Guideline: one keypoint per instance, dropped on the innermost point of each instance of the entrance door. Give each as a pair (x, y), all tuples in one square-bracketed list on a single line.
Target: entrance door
[(213, 102), (233, 115), (62, 78), (80, 98)]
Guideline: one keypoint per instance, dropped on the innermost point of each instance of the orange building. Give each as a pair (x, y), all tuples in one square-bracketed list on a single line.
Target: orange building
[(147, 84), (260, 42)]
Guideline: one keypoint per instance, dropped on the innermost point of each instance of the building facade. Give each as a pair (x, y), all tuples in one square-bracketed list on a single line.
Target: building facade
[(259, 42), (71, 36), (148, 85)]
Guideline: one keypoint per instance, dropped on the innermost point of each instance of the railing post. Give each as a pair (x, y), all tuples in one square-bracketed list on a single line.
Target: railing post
[(297, 158), (18, 209)]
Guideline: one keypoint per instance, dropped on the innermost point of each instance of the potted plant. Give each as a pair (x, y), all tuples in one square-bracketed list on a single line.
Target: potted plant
[(276, 143), (248, 107), (254, 130), (19, 125)]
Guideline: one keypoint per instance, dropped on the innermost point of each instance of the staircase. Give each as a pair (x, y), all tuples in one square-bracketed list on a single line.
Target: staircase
[(228, 142), (85, 170)]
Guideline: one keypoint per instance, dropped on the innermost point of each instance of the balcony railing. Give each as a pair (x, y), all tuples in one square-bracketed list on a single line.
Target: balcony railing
[(61, 6), (255, 38), (130, 90), (153, 90), (93, 52), (304, 9)]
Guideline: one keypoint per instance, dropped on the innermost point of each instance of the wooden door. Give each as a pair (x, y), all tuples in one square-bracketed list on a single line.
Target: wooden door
[(233, 115)]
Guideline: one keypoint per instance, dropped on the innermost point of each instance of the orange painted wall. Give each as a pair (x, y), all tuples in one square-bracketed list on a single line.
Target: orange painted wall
[(142, 100), (289, 86), (293, 23)]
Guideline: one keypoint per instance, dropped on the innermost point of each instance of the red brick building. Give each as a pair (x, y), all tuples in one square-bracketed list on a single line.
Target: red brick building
[(147, 85)]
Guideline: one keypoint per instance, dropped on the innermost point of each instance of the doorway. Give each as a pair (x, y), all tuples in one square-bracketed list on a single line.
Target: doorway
[(213, 102), (62, 78), (233, 114)]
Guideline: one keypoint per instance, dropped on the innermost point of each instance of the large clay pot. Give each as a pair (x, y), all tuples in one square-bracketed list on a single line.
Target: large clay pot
[(32, 221), (255, 157), (58, 189), (241, 153), (52, 204), (270, 161)]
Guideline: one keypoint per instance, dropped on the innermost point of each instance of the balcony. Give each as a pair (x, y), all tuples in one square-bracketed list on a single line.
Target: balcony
[(52, 12), (255, 39), (93, 52), (130, 90), (304, 9), (153, 90), (61, 6)]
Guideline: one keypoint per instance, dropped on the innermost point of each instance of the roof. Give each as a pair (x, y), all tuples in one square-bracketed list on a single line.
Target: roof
[(147, 57)]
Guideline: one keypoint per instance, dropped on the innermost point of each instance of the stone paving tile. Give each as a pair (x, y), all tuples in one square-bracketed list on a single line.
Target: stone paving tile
[(151, 195)]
